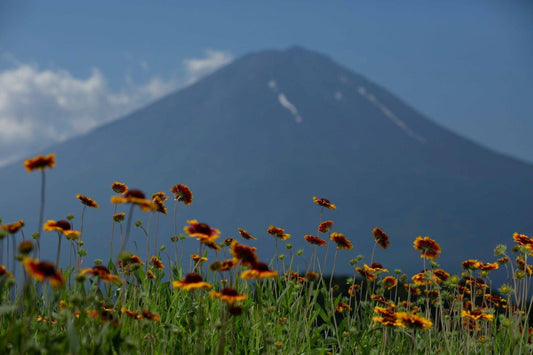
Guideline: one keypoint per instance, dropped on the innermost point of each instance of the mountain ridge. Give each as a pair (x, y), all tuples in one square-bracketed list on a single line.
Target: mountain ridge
[(235, 138)]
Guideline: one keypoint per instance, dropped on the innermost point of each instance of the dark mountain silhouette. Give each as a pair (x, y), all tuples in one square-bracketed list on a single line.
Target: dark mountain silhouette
[(256, 140)]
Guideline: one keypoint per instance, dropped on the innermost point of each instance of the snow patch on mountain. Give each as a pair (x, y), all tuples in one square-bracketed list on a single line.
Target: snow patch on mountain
[(284, 101), (389, 114), (289, 106)]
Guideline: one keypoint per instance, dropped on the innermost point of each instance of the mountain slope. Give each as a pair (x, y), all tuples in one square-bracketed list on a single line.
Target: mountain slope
[(258, 138)]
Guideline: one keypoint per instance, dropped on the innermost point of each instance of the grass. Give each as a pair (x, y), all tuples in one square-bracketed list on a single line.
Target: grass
[(165, 302)]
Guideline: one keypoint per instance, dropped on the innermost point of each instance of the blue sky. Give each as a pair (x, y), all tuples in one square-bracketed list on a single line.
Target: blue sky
[(68, 66)]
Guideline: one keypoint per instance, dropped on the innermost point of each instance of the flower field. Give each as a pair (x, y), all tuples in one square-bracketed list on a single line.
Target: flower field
[(225, 300)]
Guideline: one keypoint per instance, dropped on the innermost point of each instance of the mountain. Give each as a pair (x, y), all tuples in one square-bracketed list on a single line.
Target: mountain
[(256, 140)]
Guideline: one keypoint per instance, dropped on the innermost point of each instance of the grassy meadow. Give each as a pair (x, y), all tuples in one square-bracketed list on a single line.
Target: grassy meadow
[(224, 300)]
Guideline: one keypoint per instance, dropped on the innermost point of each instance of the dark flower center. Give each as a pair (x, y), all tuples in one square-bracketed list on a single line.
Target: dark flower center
[(203, 228), (46, 268), (229, 292), (64, 225), (192, 278), (135, 193), (259, 266)]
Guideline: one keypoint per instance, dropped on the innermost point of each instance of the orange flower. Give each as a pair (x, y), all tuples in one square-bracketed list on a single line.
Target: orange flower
[(156, 262), (314, 240), (382, 300), (13, 227), (42, 270), (161, 195), (342, 307), (150, 275), (441, 274), (341, 241), (223, 265), (278, 232), (387, 316), (523, 241), (381, 238), (150, 316), (245, 234), (119, 187), (325, 227), (182, 193), (488, 266), (259, 271), (324, 202), (159, 204), (40, 162), (3, 271), (389, 282), (409, 320), (192, 281), (353, 289), (119, 217), (201, 230), (244, 254), (476, 315), (135, 197), (102, 273), (228, 295), (366, 272), (424, 278), (63, 227), (471, 264), (87, 201), (197, 258), (131, 314), (429, 248)]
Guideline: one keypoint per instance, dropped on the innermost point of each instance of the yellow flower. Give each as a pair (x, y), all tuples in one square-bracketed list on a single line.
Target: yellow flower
[(192, 281), (40, 162)]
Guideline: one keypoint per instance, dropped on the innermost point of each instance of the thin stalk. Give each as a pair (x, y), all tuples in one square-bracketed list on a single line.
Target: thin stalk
[(41, 213), (58, 249), (128, 230)]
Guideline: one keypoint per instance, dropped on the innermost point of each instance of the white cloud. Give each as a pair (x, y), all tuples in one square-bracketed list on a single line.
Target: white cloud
[(199, 67), (39, 107)]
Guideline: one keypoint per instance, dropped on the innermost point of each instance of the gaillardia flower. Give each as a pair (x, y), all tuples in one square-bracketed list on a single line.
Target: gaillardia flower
[(314, 240), (381, 238), (119, 187), (341, 241), (182, 193), (245, 234), (119, 217), (13, 227), (325, 227), (40, 162), (159, 204), (523, 241), (429, 248), (244, 254), (389, 282), (102, 273), (135, 197), (259, 271), (192, 281), (42, 270), (409, 320), (63, 227), (87, 201), (228, 295), (156, 262), (201, 230), (324, 202), (278, 232)]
